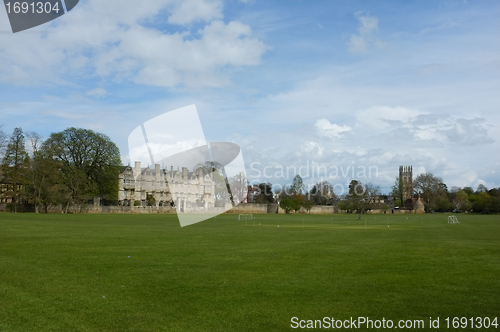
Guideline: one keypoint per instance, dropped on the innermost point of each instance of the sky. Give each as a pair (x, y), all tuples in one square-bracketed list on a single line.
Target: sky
[(332, 90)]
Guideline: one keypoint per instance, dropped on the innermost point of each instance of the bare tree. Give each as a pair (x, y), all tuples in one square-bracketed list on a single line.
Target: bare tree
[(431, 188), (38, 170), (238, 185), (398, 191), (362, 196), (14, 166), (3, 142)]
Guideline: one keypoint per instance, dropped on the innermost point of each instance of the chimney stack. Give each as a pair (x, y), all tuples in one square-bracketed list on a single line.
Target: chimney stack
[(184, 172), (137, 170)]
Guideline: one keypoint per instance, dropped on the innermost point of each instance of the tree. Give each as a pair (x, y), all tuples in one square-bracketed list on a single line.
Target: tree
[(150, 200), (297, 185), (398, 191), (3, 142), (444, 204), (494, 205), (296, 204), (362, 196), (308, 206), (43, 175), (90, 163), (481, 188), (239, 190), (221, 190), (284, 192), (344, 205), (322, 193), (432, 189), (14, 166), (286, 204), (265, 195), (462, 200), (481, 202), (468, 190)]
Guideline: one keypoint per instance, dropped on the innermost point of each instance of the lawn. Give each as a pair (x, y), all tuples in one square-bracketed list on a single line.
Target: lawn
[(80, 272)]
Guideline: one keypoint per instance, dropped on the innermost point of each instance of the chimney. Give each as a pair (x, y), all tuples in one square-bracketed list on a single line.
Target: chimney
[(171, 171), (184, 172), (157, 170), (200, 172), (137, 170)]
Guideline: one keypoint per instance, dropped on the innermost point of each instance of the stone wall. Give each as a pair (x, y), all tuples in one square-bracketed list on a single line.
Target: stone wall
[(111, 209), (249, 208), (239, 209), (316, 209)]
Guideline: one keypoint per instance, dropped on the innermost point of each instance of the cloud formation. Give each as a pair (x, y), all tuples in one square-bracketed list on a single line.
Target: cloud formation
[(112, 41), (367, 28), (185, 12), (331, 130)]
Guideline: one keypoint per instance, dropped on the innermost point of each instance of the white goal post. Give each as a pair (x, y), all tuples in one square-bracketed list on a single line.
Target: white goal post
[(245, 216), (452, 220)]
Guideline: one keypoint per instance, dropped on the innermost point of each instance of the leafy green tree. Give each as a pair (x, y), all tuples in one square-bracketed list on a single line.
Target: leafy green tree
[(462, 200), (150, 200), (468, 190), (43, 186), (14, 166), (308, 205), (90, 163), (344, 205), (265, 195), (494, 205), (443, 204), (286, 204), (482, 202), (296, 204)]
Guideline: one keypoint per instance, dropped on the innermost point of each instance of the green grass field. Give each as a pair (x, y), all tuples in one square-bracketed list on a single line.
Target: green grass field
[(145, 273)]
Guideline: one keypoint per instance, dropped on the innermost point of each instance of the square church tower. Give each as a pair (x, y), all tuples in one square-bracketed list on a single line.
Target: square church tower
[(406, 176)]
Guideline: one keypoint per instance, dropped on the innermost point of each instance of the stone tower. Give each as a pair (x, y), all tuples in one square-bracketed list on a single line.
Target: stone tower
[(406, 176)]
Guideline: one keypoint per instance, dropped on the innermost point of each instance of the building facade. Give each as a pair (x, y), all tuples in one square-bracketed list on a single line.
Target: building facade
[(180, 188)]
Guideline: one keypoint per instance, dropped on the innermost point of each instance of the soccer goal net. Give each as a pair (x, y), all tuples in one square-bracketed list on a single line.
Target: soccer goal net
[(245, 217), (452, 220)]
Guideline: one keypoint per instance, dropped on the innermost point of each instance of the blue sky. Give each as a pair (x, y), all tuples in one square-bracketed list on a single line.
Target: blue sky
[(333, 84)]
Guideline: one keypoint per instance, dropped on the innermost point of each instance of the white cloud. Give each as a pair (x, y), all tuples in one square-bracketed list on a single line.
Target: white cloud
[(97, 92), (309, 147), (381, 118), (368, 26), (185, 12), (332, 130), (111, 40)]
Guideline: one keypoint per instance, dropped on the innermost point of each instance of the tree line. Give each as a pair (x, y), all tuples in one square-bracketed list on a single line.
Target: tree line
[(437, 196), (69, 167), (366, 196), (75, 165)]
